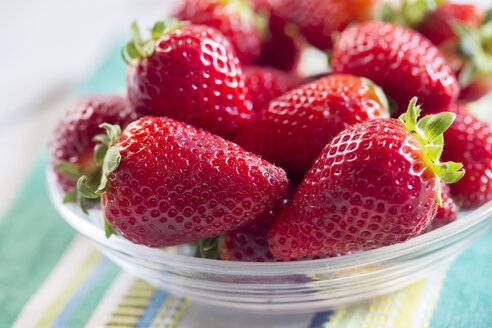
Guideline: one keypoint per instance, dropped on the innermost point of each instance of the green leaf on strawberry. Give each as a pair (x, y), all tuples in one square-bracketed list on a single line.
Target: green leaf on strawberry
[(138, 48), (429, 132)]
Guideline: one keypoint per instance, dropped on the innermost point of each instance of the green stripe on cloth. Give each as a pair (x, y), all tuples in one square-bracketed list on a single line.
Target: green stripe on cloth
[(32, 239), (466, 297), (32, 234)]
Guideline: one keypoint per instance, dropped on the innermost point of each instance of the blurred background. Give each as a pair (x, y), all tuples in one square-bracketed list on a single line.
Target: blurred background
[(48, 48)]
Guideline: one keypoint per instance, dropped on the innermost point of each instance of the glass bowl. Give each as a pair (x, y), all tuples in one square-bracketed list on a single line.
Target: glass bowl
[(291, 287)]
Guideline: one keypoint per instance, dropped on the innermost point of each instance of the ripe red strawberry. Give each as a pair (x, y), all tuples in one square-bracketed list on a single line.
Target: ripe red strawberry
[(317, 20), (265, 84), (480, 86), (375, 184), (400, 60), (72, 145), (189, 73), (282, 44), (445, 214), (295, 127), (437, 26), (469, 140), (233, 18), (169, 183), (249, 244), (463, 36)]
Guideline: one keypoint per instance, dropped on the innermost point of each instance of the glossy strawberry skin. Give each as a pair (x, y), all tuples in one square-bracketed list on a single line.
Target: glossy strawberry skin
[(370, 187), (469, 141), (437, 28), (177, 184), (400, 60), (71, 140), (282, 46), (295, 127), (265, 84), (437, 25), (317, 20), (243, 34), (478, 88), (447, 213), (193, 76), (249, 244)]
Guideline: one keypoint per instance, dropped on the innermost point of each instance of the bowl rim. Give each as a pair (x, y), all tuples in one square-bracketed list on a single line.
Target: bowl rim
[(80, 222)]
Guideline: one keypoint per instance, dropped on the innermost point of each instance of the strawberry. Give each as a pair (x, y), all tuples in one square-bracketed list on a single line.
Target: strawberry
[(235, 19), (437, 26), (265, 84), (295, 127), (166, 183), (317, 20), (462, 33), (189, 73), (377, 183), (72, 144), (400, 60), (469, 140), (249, 244), (282, 44), (445, 214)]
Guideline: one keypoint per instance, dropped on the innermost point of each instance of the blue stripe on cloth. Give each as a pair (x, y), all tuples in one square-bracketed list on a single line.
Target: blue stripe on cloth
[(320, 319), (155, 304), (72, 305)]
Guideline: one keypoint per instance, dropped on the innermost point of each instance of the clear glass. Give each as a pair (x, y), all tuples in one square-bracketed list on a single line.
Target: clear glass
[(305, 286)]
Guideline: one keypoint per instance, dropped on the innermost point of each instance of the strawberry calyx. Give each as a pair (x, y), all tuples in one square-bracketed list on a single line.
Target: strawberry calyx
[(138, 48), (411, 12), (208, 248), (107, 157), (247, 15), (85, 165), (429, 132), (383, 100), (476, 46)]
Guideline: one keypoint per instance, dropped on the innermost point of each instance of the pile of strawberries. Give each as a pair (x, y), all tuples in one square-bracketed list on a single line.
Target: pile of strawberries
[(222, 141)]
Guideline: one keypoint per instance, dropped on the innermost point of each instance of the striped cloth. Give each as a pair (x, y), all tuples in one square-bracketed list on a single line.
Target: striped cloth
[(50, 277)]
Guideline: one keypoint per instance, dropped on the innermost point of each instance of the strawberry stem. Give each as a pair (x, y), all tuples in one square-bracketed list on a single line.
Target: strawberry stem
[(138, 48), (429, 132), (476, 46), (383, 100), (411, 13), (208, 248), (108, 158)]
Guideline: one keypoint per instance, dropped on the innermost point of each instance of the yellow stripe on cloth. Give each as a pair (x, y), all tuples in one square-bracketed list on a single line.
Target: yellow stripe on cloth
[(132, 305), (410, 307), (57, 305)]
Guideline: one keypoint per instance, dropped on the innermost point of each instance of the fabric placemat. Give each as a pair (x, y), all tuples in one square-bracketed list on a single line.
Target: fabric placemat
[(50, 277)]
